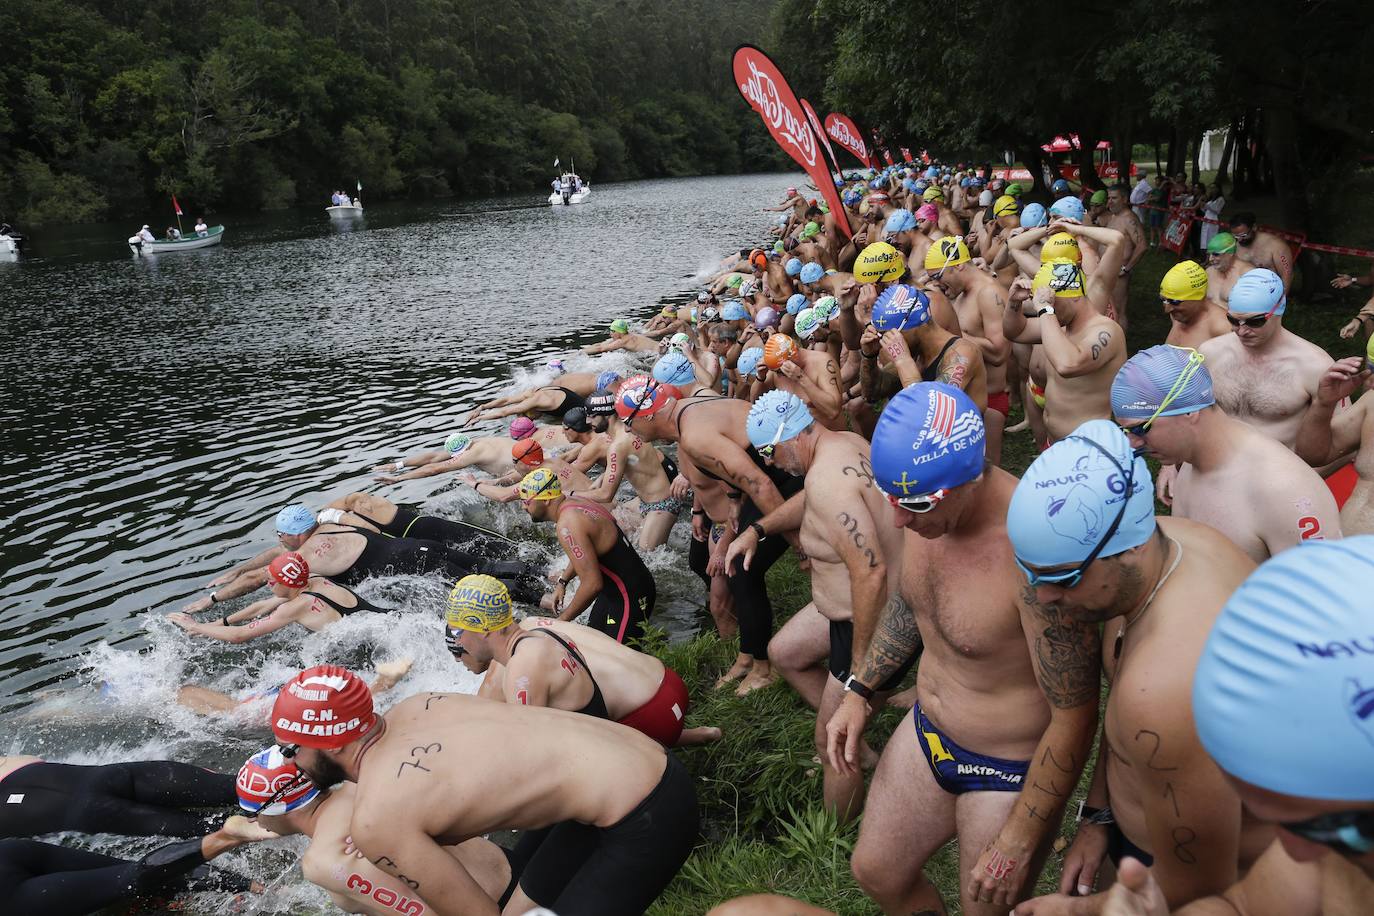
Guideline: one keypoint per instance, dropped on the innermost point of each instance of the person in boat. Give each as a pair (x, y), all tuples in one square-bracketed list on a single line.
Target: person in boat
[(201, 228), (335, 198), (173, 234), (145, 234)]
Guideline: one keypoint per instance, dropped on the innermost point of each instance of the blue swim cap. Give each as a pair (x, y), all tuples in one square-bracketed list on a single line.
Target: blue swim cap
[(793, 266), (1070, 495), (1033, 215), (1071, 207), (909, 184), (932, 172), (901, 308), (1059, 185), (876, 184), (812, 272), (749, 361), (675, 369), (1259, 290), (1283, 696), (607, 379), (929, 437), (900, 221), (921, 187), (734, 310), (852, 197), (1152, 377), (776, 417), (839, 182), (795, 303), (295, 519)]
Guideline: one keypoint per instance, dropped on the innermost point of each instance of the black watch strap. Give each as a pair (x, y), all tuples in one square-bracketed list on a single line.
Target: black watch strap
[(758, 529), (854, 685)]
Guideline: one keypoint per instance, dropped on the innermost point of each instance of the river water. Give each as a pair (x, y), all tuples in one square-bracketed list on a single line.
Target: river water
[(160, 410)]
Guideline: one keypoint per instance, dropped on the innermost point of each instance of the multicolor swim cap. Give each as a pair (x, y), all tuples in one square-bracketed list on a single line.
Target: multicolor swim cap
[(900, 221), (795, 303), (827, 308), (289, 570), (1098, 198), (1061, 246), (933, 193), (928, 213), (295, 519), (901, 308), (949, 251), (1186, 281), (601, 404), (268, 776), (641, 396), (806, 323), (779, 349), (1061, 275), (679, 340), (748, 288), (555, 364), (1005, 205), (810, 229), (766, 318), (811, 273), (1258, 291), (1221, 243), (878, 262), (758, 260), (1283, 695), (793, 266), (748, 361), (479, 604), (735, 281), (1162, 381), (323, 707), (734, 310), (620, 326), (776, 417), (457, 443), (522, 428), (675, 369), (704, 297), (607, 379), (540, 483), (1071, 494), (929, 437), (1034, 215), (1070, 207)]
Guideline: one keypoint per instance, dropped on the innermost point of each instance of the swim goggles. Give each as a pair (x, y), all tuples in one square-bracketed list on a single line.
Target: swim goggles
[(1190, 368), (1256, 321), (920, 505), (1348, 832), (290, 786), (766, 451)]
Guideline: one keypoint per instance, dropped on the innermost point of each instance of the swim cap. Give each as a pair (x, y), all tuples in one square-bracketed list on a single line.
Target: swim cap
[(766, 318), (1033, 215), (679, 340), (555, 364), (265, 774), (901, 308), (929, 437), (806, 324), (1015, 189), (479, 604), (575, 419), (779, 349), (675, 369), (851, 197), (932, 172), (827, 307), (289, 570), (927, 213), (1162, 381), (1283, 696), (810, 230), (457, 443), (793, 267), (812, 272), (748, 288), (323, 707), (791, 192), (1070, 207), (749, 361), (776, 417), (795, 303), (1061, 246), (1186, 281), (900, 221), (1070, 496), (607, 379), (1059, 185), (601, 404), (620, 326), (933, 193), (875, 184), (877, 197), (527, 451), (735, 281), (1258, 290), (295, 519), (1063, 276), (522, 428), (758, 260), (878, 262), (704, 297), (1222, 243), (1005, 205), (734, 310), (949, 251), (540, 483), (1099, 197), (642, 396)]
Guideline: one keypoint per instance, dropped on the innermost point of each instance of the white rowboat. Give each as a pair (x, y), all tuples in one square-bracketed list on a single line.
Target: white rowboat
[(344, 212), (212, 236)]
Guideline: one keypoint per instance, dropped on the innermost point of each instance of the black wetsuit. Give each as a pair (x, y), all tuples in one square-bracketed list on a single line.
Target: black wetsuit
[(929, 373), (362, 603), (384, 554), (146, 798), (409, 523), (571, 399), (628, 592)]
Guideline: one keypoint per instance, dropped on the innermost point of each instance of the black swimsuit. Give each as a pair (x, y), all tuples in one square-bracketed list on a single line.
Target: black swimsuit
[(571, 399), (362, 605), (384, 554), (930, 372), (409, 523), (627, 592), (596, 706)]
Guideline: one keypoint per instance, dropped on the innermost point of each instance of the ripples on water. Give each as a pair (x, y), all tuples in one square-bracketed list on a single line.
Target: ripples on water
[(160, 410)]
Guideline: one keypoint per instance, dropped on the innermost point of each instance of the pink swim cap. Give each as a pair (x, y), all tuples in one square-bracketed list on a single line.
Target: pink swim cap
[(522, 428), (927, 212)]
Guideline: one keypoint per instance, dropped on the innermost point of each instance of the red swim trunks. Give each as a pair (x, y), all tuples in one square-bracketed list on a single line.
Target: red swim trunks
[(1001, 402), (661, 717)]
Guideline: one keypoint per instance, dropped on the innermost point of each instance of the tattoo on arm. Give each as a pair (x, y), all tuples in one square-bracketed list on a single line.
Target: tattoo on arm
[(895, 640), (860, 539), (954, 371), (1103, 338), (1068, 654)]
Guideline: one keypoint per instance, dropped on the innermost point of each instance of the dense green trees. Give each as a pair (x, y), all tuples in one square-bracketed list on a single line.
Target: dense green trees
[(108, 106)]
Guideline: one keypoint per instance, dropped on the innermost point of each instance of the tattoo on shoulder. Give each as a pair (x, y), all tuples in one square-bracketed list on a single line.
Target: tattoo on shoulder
[(420, 753), (864, 471), (1069, 654)]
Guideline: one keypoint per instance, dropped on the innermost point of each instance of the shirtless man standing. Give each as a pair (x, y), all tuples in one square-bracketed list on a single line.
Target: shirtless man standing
[(1262, 249), (985, 757), (1325, 436), (623, 339), (916, 348), (854, 565), (811, 376), (442, 768), (1083, 527), (1224, 267), (1122, 218), (1194, 316), (1162, 398)]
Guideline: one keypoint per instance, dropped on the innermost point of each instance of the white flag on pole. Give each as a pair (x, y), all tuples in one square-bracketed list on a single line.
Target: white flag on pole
[(555, 162)]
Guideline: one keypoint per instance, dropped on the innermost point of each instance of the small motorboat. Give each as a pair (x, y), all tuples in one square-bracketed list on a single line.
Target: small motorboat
[(11, 240), (211, 236), (342, 212), (568, 196)]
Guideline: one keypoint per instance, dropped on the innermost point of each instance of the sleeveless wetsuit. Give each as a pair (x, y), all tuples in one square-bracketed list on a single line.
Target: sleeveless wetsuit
[(362, 603), (409, 523), (384, 554), (628, 592), (930, 372), (596, 706)]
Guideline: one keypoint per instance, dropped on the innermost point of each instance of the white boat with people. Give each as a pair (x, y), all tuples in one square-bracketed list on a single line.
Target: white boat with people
[(11, 240), (342, 207), (144, 242), (569, 188)]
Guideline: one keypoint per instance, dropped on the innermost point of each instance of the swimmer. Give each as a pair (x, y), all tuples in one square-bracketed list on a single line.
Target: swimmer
[(1231, 476), (998, 735), (207, 702), (490, 453), (1193, 315), (1261, 248), (1121, 218), (549, 400), (623, 339), (1327, 436), (813, 377), (916, 348), (528, 455), (1224, 267), (442, 768)]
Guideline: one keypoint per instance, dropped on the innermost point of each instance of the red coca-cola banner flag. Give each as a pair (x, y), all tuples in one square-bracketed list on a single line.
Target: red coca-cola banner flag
[(887, 156), (906, 154), (815, 123), (767, 92), (847, 134), (1176, 233)]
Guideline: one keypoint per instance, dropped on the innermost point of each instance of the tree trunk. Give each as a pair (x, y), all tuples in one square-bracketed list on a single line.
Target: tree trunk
[(1241, 185), (1087, 167), (1197, 154), (1224, 168), (1159, 166), (1175, 161)]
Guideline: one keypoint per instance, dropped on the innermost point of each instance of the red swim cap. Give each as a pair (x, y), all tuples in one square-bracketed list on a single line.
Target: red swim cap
[(529, 452), (290, 570), (323, 707), (641, 396)]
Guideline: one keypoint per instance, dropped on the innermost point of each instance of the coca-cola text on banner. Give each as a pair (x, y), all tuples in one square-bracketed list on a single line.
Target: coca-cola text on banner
[(847, 134)]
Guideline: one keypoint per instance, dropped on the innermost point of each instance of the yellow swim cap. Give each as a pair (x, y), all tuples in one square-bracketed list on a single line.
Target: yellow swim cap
[(479, 604), (539, 484), (949, 251), (879, 261), (1063, 276), (1061, 246), (668, 311), (1004, 206), (932, 193), (1186, 281)]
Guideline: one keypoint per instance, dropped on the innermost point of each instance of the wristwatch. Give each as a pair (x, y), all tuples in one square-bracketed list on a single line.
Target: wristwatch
[(853, 685), (758, 529), (1093, 815), (1047, 310)]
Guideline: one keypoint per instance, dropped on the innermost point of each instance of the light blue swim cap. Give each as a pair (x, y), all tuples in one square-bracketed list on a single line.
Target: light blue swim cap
[(929, 437), (607, 379), (1145, 380), (1283, 696), (457, 443), (1033, 215), (812, 272), (749, 361), (932, 172), (909, 184), (675, 369), (901, 308), (793, 266), (876, 184), (777, 412), (734, 310), (900, 221), (1070, 495), (1258, 291), (295, 519), (795, 303), (1071, 207)]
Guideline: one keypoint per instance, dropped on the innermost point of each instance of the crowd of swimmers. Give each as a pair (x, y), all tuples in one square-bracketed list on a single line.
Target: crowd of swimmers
[(842, 395)]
